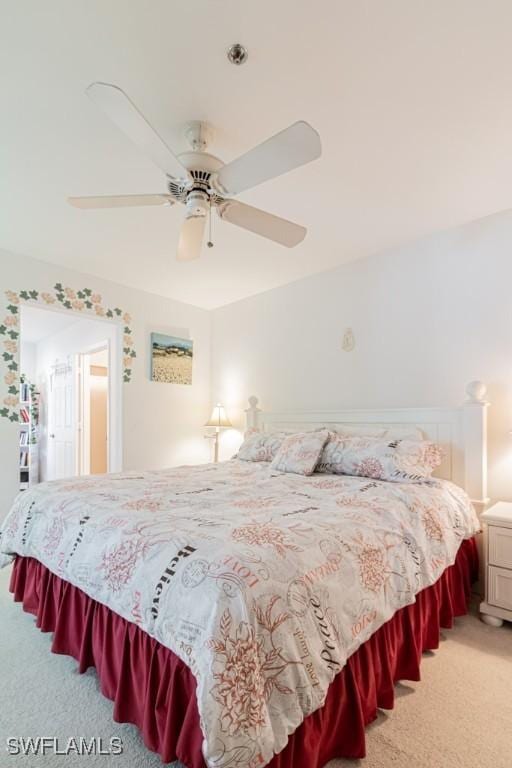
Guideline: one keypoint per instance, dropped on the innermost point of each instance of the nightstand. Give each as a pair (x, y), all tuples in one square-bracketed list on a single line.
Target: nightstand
[(497, 605)]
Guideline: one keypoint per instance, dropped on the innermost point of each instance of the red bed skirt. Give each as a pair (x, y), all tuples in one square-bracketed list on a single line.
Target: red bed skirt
[(153, 689)]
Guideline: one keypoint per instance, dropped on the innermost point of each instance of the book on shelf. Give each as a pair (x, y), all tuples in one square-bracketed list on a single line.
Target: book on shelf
[(24, 392), (28, 423)]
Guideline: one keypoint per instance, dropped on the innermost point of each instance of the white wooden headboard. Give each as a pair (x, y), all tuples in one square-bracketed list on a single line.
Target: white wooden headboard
[(461, 432)]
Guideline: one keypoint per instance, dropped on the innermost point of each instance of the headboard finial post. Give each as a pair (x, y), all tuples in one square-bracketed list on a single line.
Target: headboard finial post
[(475, 442), (253, 413), (476, 391)]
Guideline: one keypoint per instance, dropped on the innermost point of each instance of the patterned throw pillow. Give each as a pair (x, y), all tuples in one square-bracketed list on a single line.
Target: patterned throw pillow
[(260, 446), (300, 453), (401, 461)]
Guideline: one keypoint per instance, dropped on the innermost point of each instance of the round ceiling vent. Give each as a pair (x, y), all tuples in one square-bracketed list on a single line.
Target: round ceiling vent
[(237, 54)]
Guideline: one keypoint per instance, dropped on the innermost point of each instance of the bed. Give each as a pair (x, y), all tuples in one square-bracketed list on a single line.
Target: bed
[(243, 617)]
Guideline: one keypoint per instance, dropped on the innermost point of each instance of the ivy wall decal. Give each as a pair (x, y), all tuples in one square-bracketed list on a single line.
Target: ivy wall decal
[(84, 301)]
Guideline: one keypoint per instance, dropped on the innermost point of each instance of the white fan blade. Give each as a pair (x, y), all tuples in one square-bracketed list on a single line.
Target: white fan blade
[(191, 238), (262, 223), (120, 201), (123, 112), (295, 146)]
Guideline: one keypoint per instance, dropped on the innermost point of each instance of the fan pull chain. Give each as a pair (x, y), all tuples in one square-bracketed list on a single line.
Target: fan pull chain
[(210, 242)]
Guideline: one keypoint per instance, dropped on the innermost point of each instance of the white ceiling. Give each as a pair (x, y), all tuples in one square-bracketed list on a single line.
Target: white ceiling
[(413, 102)]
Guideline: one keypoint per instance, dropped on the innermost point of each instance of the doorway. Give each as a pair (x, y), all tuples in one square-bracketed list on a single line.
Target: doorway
[(93, 374), (73, 371)]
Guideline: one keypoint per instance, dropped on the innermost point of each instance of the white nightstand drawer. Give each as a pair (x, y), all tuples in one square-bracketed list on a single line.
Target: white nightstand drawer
[(500, 587), (500, 546)]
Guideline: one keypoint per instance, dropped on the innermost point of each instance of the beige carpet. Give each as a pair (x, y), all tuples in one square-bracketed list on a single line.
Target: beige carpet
[(459, 716)]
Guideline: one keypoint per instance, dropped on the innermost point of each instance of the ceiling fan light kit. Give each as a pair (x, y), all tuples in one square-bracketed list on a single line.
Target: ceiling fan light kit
[(201, 181), (198, 203), (199, 134)]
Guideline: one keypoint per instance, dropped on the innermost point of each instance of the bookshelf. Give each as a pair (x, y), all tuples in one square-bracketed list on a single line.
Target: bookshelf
[(28, 449)]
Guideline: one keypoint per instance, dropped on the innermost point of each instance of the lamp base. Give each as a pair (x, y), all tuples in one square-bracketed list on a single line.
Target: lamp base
[(215, 445)]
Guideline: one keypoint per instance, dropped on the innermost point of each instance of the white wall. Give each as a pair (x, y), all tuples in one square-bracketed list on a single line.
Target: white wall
[(28, 360), (162, 423), (80, 336), (427, 319)]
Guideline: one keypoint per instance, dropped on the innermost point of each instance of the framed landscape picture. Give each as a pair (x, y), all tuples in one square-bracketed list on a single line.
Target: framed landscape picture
[(171, 359)]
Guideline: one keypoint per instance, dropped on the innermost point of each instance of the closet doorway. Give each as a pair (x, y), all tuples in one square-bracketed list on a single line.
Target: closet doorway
[(93, 377)]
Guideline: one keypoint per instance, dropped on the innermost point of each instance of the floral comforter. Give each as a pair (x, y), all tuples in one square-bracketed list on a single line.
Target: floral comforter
[(262, 583)]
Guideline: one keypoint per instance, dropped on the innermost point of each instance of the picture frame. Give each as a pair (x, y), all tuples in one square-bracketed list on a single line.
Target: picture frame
[(171, 359)]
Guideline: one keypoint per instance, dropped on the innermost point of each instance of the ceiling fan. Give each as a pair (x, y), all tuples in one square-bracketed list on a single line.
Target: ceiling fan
[(201, 181)]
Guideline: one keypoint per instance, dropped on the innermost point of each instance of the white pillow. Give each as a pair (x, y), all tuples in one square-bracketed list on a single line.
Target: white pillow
[(300, 453), (393, 433)]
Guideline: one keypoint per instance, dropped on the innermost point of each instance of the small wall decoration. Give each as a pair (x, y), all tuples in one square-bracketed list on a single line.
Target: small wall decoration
[(84, 300), (348, 343), (171, 359)]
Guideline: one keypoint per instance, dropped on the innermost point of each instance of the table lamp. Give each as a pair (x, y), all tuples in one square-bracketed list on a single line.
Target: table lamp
[(219, 420)]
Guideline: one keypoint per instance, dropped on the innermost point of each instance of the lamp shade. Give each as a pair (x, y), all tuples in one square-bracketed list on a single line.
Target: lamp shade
[(218, 418)]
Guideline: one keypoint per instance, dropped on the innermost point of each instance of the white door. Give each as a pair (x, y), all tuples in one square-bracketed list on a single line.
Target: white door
[(61, 422)]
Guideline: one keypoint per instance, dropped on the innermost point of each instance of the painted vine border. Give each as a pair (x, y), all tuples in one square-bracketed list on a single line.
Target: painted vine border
[(84, 300)]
